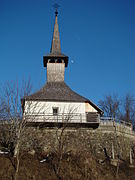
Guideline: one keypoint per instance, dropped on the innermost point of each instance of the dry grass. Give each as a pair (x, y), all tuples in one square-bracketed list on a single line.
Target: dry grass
[(72, 166)]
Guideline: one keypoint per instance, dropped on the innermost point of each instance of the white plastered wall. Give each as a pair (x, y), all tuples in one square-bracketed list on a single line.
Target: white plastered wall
[(46, 107), (42, 108), (89, 108)]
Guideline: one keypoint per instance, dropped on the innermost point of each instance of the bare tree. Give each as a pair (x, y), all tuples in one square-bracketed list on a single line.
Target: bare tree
[(128, 113), (60, 149), (110, 105), (11, 123), (123, 109)]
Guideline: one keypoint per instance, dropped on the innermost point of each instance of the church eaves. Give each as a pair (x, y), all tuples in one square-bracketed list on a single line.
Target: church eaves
[(58, 91)]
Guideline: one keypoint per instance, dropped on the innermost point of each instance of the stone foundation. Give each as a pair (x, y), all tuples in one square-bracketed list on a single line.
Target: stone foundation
[(74, 140)]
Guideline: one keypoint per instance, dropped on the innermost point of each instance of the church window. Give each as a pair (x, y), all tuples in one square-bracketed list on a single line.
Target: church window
[(55, 111)]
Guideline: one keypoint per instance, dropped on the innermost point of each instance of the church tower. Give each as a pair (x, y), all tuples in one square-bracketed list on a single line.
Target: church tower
[(55, 62), (55, 100)]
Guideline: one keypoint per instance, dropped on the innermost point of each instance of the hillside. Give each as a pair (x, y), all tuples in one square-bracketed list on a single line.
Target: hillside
[(70, 166)]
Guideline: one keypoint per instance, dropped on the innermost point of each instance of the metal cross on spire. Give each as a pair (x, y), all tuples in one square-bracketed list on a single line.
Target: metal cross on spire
[(55, 47), (56, 6), (55, 51)]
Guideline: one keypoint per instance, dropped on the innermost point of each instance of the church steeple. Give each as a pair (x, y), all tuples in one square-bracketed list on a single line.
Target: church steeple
[(55, 47), (55, 52)]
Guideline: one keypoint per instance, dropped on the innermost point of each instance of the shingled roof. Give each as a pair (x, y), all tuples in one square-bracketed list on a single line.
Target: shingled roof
[(58, 91)]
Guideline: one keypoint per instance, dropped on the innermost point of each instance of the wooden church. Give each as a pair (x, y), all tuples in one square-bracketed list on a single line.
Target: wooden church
[(55, 102)]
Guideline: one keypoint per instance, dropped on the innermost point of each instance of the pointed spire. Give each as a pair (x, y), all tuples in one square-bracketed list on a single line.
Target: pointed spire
[(55, 47), (55, 52)]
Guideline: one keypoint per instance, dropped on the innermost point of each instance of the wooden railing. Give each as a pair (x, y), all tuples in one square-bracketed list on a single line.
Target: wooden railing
[(64, 117), (108, 121)]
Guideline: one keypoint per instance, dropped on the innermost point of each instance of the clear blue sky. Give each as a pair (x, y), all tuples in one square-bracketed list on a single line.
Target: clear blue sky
[(98, 36)]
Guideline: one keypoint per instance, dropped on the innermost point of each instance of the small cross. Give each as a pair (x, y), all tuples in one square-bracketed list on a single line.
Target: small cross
[(56, 6)]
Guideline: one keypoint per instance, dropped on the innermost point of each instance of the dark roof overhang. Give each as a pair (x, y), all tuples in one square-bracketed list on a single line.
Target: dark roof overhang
[(52, 56)]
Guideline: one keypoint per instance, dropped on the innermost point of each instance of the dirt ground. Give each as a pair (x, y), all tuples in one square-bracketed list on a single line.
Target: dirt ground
[(76, 167)]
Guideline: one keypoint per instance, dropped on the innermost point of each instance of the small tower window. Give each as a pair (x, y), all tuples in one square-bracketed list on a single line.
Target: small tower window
[(55, 111)]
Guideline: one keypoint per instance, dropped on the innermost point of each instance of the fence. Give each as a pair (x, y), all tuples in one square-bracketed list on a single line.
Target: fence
[(120, 125), (64, 118)]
